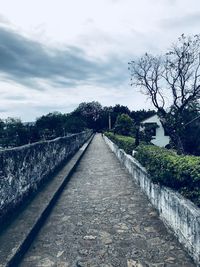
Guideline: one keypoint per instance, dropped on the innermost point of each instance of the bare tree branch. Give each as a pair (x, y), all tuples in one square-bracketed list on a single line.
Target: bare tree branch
[(176, 72)]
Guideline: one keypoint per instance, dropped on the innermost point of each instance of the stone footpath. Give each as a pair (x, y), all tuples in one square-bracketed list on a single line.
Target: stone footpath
[(103, 220)]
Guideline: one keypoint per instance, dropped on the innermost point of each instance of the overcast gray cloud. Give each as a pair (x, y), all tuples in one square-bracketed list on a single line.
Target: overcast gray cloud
[(25, 61), (182, 21), (3, 20), (56, 54)]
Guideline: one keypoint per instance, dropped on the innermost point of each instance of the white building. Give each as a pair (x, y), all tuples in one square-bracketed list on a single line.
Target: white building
[(159, 137)]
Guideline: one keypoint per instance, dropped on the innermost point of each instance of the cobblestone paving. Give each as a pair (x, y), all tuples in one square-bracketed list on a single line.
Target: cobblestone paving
[(102, 219)]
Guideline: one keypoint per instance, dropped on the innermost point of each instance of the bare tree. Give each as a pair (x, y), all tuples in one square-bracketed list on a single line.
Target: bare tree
[(174, 76)]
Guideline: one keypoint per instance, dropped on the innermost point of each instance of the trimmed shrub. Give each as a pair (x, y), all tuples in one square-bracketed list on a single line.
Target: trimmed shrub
[(126, 143), (179, 172), (123, 125)]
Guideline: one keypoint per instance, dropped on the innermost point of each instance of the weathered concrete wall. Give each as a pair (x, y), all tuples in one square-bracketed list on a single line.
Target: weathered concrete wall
[(181, 215), (23, 168)]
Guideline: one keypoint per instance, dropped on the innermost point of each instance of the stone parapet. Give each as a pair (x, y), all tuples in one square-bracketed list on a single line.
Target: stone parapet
[(23, 169)]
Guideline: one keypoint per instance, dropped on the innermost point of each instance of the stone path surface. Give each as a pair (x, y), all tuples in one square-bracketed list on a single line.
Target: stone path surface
[(103, 220)]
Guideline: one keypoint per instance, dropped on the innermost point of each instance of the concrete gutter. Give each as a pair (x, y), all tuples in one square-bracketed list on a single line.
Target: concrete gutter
[(20, 233)]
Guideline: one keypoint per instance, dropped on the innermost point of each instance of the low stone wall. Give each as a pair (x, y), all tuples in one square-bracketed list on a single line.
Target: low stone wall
[(180, 214), (23, 168)]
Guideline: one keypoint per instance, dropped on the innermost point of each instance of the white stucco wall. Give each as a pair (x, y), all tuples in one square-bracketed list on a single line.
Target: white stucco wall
[(160, 139)]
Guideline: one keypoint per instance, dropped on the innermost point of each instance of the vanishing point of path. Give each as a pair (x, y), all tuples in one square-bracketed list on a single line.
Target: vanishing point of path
[(102, 219)]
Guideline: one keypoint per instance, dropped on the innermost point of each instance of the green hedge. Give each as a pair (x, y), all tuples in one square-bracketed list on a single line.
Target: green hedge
[(126, 143), (181, 173)]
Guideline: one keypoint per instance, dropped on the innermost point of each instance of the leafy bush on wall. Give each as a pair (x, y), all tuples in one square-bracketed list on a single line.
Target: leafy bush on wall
[(179, 172)]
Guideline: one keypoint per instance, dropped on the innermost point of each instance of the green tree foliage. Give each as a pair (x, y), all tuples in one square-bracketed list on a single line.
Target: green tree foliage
[(2, 125), (55, 124), (113, 112), (118, 110), (190, 128), (51, 125), (74, 124), (123, 125), (104, 118), (90, 113), (34, 135), (14, 133)]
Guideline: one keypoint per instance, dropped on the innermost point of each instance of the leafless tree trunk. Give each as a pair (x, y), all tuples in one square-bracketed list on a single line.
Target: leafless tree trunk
[(174, 75)]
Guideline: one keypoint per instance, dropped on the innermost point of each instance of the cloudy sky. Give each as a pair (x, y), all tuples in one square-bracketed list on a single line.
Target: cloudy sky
[(56, 54)]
